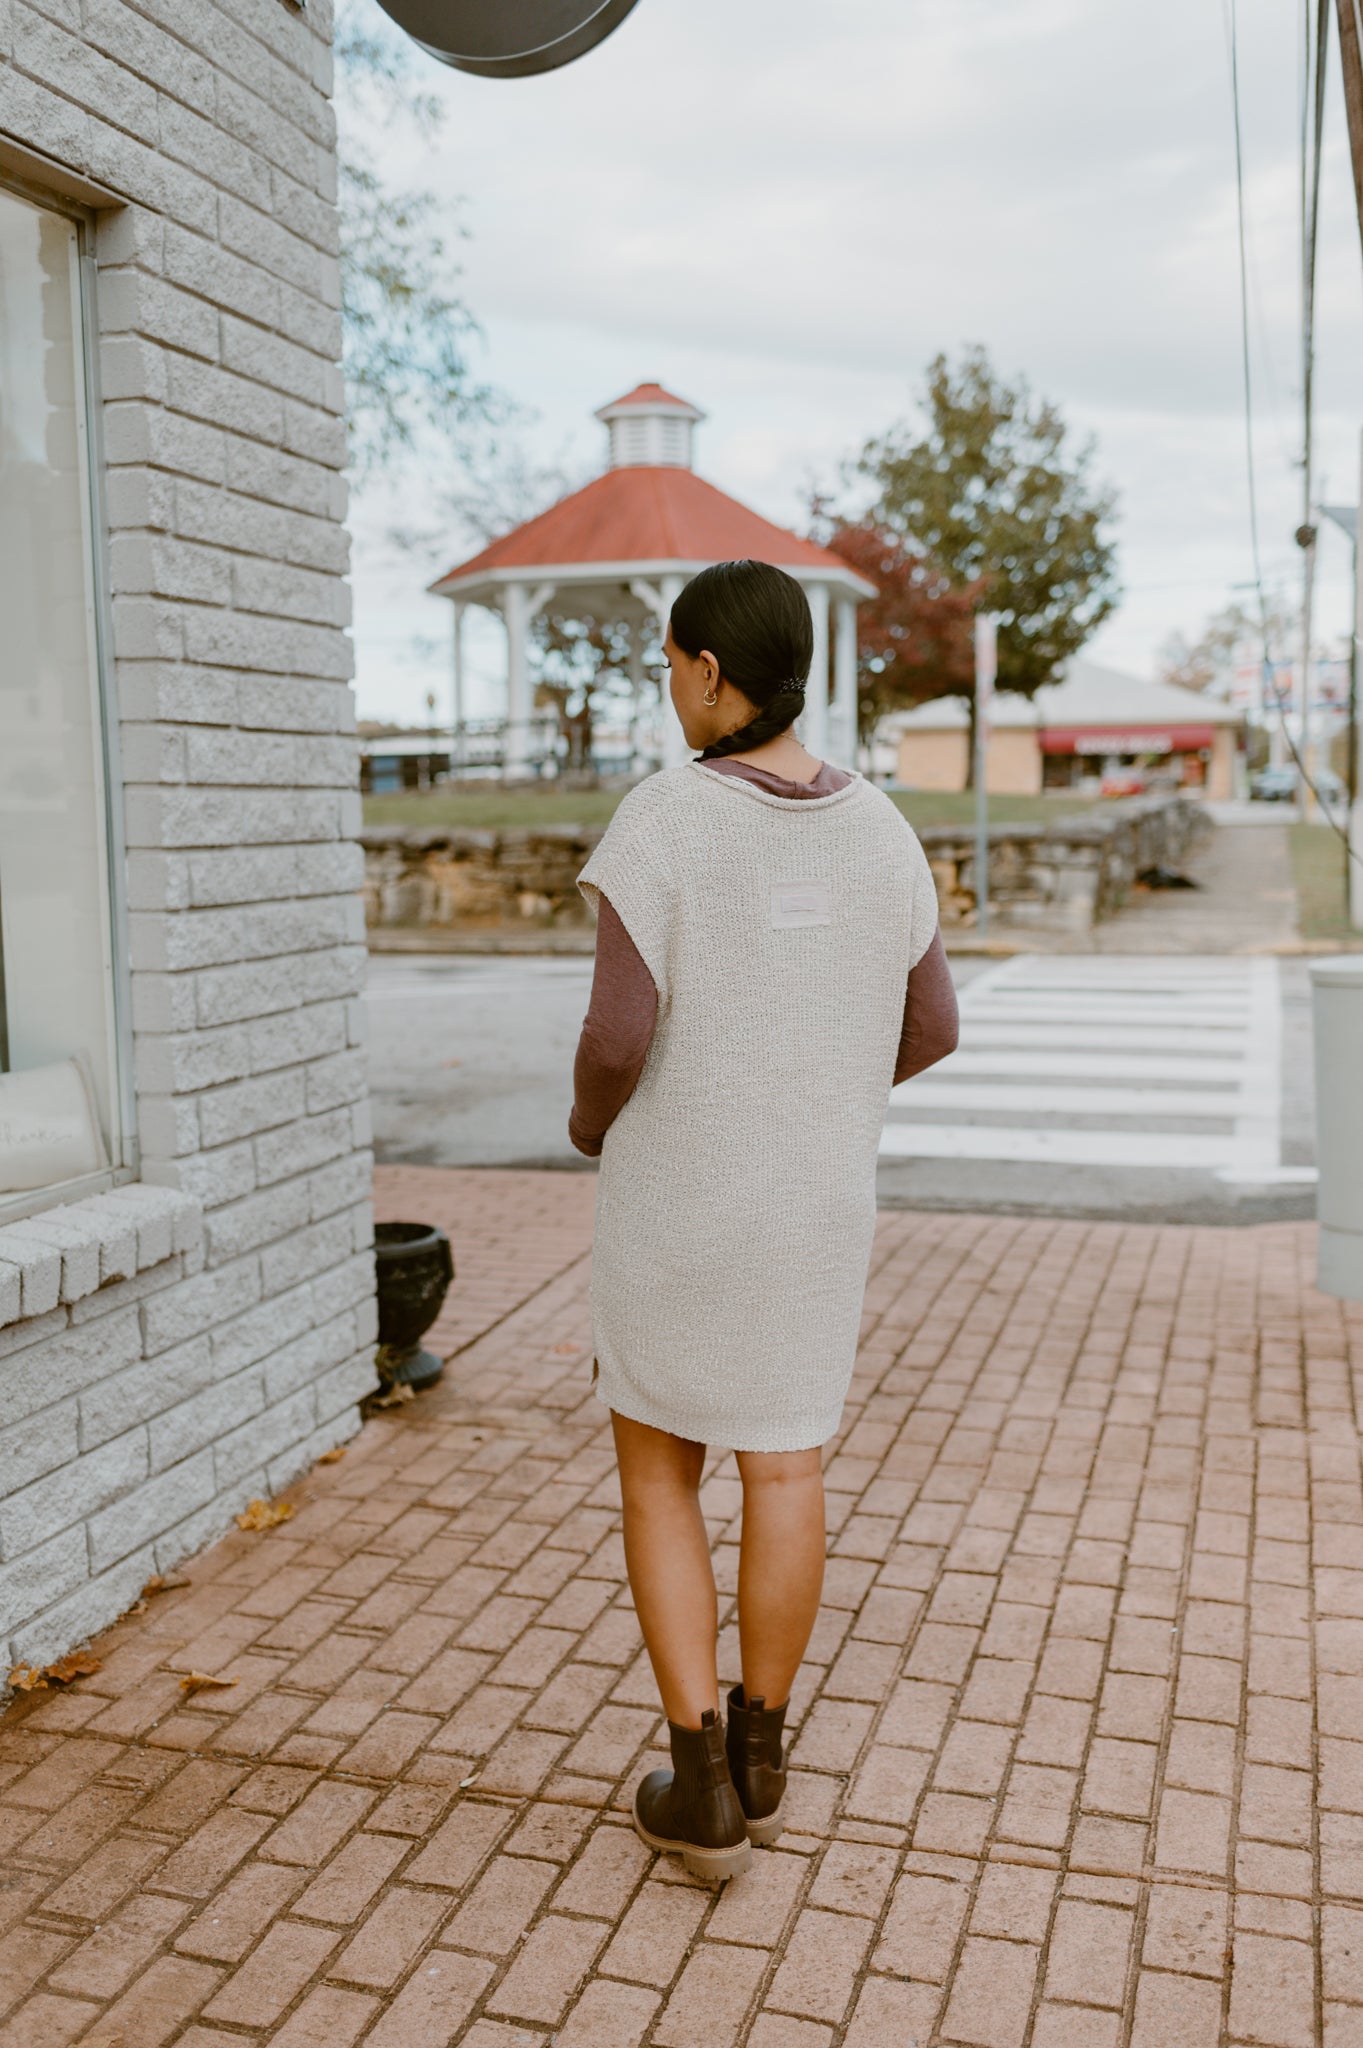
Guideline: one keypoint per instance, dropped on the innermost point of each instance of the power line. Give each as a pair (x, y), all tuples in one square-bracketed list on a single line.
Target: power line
[(1314, 84)]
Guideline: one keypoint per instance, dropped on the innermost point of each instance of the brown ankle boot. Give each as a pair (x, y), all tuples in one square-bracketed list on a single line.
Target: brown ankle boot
[(756, 1764), (693, 1809)]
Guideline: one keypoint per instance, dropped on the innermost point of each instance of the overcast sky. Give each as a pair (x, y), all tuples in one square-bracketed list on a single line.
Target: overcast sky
[(783, 209)]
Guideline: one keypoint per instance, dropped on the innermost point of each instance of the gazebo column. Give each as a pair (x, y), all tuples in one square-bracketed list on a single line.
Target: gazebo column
[(815, 719), (519, 606), (457, 652), (844, 722), (675, 749), (636, 683), (660, 598), (516, 749)]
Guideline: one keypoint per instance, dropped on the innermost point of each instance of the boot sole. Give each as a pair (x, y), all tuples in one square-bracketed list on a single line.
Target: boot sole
[(767, 1829), (713, 1864)]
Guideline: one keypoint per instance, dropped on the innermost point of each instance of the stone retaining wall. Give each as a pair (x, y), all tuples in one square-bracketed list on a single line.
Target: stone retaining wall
[(477, 881), (1072, 872)]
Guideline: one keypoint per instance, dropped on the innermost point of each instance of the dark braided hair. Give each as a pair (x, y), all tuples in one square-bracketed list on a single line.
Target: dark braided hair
[(755, 620)]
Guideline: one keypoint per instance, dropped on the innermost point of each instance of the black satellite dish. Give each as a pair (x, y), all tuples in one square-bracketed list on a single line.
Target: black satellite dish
[(507, 38)]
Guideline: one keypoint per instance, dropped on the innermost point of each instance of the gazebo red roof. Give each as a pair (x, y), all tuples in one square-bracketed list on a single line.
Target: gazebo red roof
[(648, 514), (649, 396)]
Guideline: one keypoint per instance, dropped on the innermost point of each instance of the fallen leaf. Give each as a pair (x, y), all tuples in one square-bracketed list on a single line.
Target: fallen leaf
[(138, 1607), (265, 1514), (471, 1780), (333, 1456), (167, 1583), (197, 1681), (28, 1677), (396, 1395), (77, 1665)]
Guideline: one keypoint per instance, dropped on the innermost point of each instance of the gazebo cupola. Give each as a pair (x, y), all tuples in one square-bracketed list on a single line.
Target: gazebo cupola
[(625, 546), (649, 428)]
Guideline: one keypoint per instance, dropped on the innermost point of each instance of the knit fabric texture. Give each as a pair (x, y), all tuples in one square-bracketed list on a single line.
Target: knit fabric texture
[(736, 1200)]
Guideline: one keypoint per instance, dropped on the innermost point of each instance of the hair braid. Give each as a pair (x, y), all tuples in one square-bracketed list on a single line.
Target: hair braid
[(771, 721)]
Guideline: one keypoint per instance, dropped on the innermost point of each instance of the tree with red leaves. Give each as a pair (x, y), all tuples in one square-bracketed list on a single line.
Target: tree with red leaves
[(915, 638)]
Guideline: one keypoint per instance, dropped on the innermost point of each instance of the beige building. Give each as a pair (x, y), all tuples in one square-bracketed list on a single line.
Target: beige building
[(1097, 725)]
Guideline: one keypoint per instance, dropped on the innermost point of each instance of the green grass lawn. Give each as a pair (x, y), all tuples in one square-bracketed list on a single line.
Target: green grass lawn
[(1318, 870), (496, 809)]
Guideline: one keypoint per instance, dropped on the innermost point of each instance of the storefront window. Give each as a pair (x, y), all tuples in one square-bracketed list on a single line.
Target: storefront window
[(61, 1126)]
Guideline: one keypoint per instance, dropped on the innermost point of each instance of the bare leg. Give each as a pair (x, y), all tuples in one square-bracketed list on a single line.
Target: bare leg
[(667, 1555), (780, 1567)]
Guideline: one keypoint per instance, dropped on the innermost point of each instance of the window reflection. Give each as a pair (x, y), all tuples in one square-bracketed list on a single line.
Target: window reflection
[(58, 1087)]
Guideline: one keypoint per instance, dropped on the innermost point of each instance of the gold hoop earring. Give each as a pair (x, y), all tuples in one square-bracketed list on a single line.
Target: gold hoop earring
[(713, 698)]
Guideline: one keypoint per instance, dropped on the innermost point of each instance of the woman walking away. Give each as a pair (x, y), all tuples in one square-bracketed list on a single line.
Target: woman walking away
[(767, 964)]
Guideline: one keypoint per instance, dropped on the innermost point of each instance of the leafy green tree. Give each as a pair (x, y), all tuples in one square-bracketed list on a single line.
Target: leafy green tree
[(997, 498), (406, 330)]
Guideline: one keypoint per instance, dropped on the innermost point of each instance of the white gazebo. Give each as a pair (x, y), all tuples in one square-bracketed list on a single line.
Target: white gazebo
[(626, 545)]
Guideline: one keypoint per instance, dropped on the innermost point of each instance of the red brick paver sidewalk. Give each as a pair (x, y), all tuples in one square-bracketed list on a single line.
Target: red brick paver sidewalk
[(1076, 1755)]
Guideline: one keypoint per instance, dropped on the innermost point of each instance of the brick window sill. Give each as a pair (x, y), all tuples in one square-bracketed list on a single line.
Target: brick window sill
[(62, 1255)]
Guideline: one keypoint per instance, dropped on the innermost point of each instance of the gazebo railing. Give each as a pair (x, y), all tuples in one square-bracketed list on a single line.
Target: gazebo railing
[(539, 745), (530, 745)]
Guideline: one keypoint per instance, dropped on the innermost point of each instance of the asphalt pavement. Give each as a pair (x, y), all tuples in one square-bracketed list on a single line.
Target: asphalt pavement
[(1136, 1087)]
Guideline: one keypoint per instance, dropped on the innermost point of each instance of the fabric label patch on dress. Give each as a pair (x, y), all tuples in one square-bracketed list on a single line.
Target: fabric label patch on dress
[(794, 904)]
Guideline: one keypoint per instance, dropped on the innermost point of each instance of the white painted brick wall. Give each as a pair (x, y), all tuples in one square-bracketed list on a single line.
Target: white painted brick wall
[(169, 1349)]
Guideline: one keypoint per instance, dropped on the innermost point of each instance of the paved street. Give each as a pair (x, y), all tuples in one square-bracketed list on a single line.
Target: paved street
[(1076, 1756), (1087, 1083), (1175, 1088)]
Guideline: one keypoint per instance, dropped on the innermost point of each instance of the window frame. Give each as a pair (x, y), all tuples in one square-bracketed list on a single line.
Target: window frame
[(124, 1152)]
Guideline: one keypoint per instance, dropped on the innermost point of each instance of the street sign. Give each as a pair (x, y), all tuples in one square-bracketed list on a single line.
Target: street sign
[(507, 38)]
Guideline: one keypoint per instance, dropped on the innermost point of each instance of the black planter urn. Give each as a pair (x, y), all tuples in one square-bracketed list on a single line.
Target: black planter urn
[(414, 1266)]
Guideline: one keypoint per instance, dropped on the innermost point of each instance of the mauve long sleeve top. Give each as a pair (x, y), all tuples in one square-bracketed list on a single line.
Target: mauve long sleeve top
[(623, 1009)]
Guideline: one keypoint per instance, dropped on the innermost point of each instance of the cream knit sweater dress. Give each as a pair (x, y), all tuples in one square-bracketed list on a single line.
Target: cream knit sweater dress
[(736, 1199)]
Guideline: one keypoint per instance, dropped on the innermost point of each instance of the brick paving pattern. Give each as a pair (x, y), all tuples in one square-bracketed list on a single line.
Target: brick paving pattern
[(1077, 1756)]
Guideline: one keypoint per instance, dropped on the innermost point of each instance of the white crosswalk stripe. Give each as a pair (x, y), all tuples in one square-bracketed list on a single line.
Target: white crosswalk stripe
[(1108, 1062)]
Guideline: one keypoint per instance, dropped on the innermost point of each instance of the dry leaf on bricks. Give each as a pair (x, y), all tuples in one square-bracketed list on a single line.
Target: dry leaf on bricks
[(198, 1681), (265, 1514), (78, 1665), (395, 1396), (169, 1583), (34, 1677), (332, 1457)]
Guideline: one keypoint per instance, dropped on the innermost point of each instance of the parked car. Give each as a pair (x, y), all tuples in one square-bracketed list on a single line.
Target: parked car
[(1283, 785), (1275, 785)]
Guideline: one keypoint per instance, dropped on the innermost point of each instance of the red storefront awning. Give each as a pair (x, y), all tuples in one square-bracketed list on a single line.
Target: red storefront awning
[(1125, 739)]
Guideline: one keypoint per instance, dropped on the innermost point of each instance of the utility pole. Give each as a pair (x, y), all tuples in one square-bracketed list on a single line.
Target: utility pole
[(986, 671), (1351, 64), (1351, 61), (1353, 824), (1316, 60), (1346, 518), (1306, 541)]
